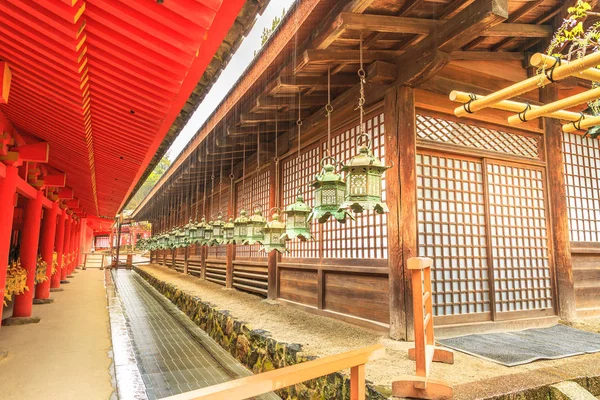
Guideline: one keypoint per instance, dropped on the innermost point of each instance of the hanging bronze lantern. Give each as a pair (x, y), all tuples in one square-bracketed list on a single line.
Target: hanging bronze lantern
[(297, 225), (330, 190), (218, 233), (363, 180), (181, 238), (173, 238), (256, 227), (208, 231), (201, 231), (240, 230), (274, 231), (192, 231), (229, 229)]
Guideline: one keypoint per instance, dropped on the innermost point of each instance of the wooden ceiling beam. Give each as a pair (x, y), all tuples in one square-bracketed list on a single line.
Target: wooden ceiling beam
[(514, 17), (327, 57), (236, 131), (319, 82), (269, 103), (425, 59), (454, 8), (488, 56), (421, 26), (255, 119), (328, 35)]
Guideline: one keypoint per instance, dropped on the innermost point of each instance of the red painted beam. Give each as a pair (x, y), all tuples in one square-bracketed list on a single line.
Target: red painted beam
[(66, 193), (2, 170), (5, 79), (25, 189), (36, 152), (55, 180), (47, 203), (73, 203)]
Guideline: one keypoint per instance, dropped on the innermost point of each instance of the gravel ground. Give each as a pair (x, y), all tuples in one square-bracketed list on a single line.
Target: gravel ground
[(321, 336)]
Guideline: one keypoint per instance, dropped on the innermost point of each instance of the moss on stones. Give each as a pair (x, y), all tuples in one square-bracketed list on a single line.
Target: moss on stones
[(254, 347)]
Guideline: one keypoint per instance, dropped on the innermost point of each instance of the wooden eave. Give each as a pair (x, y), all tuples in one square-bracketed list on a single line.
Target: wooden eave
[(459, 41)]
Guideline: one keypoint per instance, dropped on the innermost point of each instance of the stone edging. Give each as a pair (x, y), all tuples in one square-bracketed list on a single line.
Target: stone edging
[(254, 347)]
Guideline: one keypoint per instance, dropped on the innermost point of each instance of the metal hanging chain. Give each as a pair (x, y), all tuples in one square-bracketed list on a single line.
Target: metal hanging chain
[(212, 186), (299, 123), (258, 148), (244, 175), (231, 182), (204, 192), (276, 161), (197, 185), (220, 184), (328, 111), (361, 75)]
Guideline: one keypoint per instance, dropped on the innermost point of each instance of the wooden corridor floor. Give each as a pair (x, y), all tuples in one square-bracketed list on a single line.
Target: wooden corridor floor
[(66, 355)]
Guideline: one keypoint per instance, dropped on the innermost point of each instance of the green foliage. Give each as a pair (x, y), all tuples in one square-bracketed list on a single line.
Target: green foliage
[(572, 35), (573, 40), (153, 178), (267, 32)]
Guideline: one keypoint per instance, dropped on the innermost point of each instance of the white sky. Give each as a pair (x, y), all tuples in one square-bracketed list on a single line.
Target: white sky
[(238, 63)]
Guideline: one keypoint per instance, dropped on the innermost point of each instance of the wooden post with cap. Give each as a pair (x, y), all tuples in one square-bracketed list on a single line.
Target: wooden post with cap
[(425, 352)]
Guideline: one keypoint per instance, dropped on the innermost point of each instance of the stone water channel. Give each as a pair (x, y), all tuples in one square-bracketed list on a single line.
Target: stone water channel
[(158, 351)]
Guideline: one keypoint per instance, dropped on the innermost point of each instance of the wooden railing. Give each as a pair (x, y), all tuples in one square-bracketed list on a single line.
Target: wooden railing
[(266, 382)]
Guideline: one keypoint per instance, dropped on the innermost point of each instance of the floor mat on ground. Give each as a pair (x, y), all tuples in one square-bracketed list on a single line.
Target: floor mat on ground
[(517, 348)]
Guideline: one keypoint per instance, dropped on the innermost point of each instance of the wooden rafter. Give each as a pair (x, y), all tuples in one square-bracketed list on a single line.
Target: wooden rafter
[(432, 53)]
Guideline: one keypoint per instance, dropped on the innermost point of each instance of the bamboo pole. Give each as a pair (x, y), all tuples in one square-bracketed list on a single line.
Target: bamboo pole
[(514, 106), (535, 82), (586, 123), (592, 74), (549, 108)]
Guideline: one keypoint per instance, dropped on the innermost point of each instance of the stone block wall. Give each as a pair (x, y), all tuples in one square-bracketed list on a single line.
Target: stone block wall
[(254, 347)]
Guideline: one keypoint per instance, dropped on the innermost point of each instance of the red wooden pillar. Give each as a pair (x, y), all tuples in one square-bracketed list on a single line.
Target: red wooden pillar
[(60, 245), (81, 239), (28, 253), (66, 248), (47, 240), (75, 245), (8, 189)]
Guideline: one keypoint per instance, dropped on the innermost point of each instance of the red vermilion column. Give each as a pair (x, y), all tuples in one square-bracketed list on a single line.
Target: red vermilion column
[(66, 248), (72, 246), (8, 189), (59, 245), (47, 240), (71, 243), (76, 246), (28, 253)]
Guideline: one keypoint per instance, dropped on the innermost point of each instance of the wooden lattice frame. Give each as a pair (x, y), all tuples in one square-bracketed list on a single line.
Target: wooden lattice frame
[(582, 180)]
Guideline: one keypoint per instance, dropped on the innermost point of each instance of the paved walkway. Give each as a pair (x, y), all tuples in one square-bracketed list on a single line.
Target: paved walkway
[(66, 355), (171, 353)]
